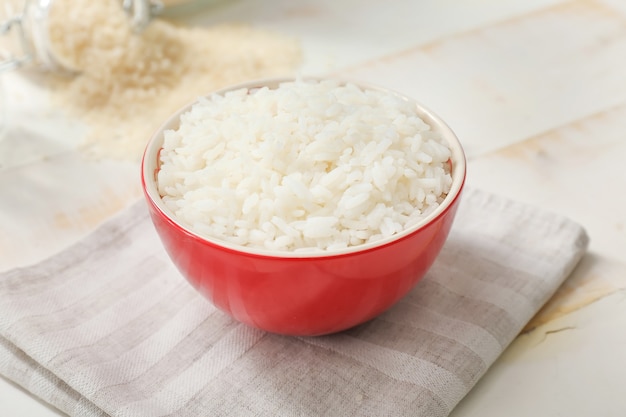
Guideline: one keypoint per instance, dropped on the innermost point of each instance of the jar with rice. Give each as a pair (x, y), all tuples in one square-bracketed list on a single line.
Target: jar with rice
[(25, 37), (28, 29)]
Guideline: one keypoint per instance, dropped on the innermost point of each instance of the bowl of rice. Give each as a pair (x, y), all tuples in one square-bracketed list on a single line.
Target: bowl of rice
[(303, 206)]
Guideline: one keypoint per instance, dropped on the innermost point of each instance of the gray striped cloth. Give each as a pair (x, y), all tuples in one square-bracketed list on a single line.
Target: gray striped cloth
[(109, 328)]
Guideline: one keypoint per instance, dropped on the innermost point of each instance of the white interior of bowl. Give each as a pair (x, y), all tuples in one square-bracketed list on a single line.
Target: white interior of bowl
[(151, 164)]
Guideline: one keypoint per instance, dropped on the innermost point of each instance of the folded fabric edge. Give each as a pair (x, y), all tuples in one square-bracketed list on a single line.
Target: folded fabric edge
[(580, 245), (494, 200), (133, 214), (21, 369), (17, 366), (136, 213)]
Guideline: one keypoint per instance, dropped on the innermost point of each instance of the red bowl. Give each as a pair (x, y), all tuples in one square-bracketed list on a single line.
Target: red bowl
[(297, 293)]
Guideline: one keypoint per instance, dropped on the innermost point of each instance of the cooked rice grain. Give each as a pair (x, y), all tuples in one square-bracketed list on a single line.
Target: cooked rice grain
[(307, 166)]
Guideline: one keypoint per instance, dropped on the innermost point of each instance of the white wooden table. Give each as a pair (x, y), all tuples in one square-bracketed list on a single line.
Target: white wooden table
[(536, 91)]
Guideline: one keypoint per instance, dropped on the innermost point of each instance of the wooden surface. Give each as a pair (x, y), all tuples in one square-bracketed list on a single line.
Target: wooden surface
[(535, 90)]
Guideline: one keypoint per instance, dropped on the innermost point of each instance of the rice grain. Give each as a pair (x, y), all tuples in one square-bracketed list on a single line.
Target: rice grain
[(297, 177)]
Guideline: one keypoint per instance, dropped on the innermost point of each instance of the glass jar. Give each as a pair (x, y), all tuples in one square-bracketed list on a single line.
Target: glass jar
[(24, 32), (25, 37)]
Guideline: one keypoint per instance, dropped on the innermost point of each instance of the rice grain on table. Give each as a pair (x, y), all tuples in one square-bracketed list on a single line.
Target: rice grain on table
[(306, 166), (127, 83)]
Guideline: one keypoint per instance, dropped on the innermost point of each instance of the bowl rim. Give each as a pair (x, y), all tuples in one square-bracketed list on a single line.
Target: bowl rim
[(149, 169)]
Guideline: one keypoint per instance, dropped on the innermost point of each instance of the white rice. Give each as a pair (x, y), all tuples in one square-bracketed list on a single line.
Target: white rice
[(307, 166)]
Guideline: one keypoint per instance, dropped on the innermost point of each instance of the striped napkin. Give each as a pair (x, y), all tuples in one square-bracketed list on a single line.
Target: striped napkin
[(109, 328)]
